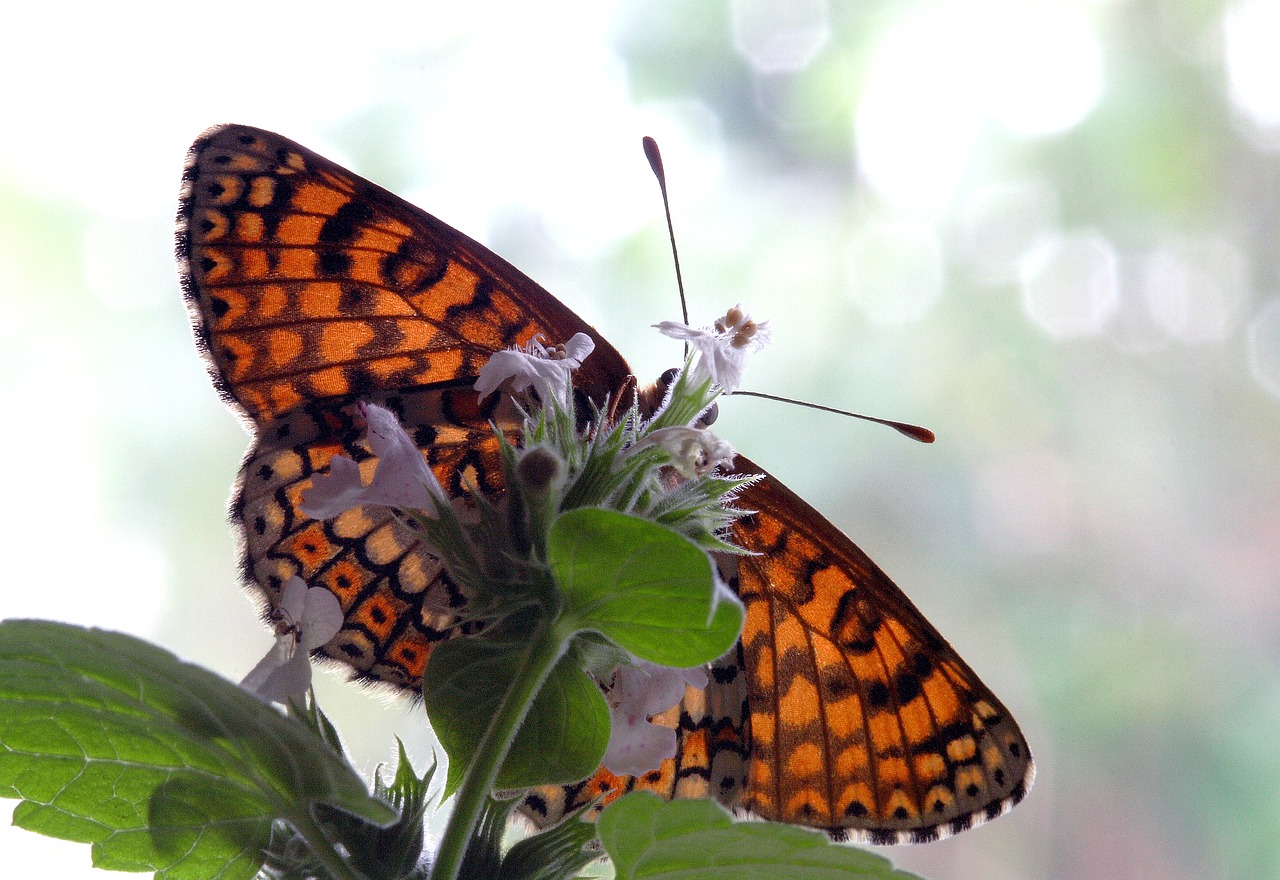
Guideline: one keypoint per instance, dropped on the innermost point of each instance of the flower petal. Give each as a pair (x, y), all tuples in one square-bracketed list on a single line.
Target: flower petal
[(576, 350), (676, 330), (635, 749), (402, 477), (288, 681), (279, 654), (334, 492), (639, 692), (501, 366), (293, 599), (646, 689), (321, 619), (694, 677), (545, 370)]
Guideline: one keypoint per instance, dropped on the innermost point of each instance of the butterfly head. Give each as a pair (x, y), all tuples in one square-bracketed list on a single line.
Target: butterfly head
[(652, 397)]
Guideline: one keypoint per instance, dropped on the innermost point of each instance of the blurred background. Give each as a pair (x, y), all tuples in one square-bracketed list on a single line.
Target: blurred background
[(1047, 230)]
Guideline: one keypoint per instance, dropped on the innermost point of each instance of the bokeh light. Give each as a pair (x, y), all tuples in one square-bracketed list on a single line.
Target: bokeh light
[(1264, 346), (1070, 284), (1250, 30), (895, 271), (947, 71), (1003, 222), (780, 35)]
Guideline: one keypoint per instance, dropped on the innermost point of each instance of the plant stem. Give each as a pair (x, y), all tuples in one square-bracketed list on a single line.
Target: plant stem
[(545, 650)]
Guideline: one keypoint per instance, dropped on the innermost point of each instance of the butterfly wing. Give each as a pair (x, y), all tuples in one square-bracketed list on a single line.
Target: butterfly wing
[(306, 282), (841, 708), (311, 288), (860, 715)]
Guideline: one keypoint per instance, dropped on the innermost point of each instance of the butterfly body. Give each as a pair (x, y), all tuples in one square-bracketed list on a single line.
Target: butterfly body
[(312, 289)]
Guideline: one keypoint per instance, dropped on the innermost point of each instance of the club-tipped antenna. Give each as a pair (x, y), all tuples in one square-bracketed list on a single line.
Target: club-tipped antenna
[(915, 432), (655, 162), (654, 155)]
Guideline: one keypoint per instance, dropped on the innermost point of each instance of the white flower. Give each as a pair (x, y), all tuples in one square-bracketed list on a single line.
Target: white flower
[(635, 745), (308, 619), (696, 452), (544, 368), (722, 347), (402, 477)]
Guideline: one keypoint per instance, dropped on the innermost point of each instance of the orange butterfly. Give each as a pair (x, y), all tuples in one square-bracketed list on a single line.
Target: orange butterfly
[(311, 289)]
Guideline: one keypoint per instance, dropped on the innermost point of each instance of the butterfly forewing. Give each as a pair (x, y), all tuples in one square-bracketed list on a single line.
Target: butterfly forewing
[(307, 281), (906, 743), (312, 289)]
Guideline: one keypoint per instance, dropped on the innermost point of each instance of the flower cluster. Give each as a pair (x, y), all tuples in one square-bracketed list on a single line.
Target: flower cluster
[(665, 468)]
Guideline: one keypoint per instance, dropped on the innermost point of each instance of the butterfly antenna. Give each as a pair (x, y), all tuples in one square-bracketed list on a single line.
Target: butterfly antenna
[(915, 432), (655, 162)]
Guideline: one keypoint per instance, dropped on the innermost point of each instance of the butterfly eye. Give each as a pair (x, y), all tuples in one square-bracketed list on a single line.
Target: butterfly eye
[(667, 378), (709, 417)]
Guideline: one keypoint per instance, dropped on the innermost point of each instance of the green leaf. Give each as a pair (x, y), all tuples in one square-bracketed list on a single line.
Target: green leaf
[(697, 840), (641, 585), (159, 764), (562, 738)]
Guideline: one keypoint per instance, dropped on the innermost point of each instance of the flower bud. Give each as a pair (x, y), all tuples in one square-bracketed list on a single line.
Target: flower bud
[(540, 471)]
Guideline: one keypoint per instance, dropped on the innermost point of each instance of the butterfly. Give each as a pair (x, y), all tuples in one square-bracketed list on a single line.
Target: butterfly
[(312, 289)]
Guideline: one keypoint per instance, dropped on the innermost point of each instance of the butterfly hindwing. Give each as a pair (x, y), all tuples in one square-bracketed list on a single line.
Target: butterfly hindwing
[(841, 708), (396, 596), (312, 289)]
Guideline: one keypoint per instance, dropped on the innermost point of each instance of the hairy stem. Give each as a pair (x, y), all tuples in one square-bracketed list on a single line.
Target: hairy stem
[(545, 650)]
